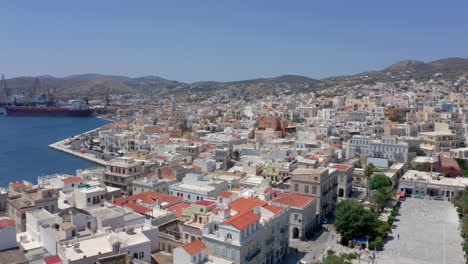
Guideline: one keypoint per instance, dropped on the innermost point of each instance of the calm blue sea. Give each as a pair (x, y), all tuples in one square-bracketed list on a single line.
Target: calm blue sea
[(24, 151)]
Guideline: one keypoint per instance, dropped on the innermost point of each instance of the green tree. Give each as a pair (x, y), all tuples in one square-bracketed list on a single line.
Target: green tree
[(353, 220), (379, 181), (368, 171), (332, 258), (419, 152), (382, 196)]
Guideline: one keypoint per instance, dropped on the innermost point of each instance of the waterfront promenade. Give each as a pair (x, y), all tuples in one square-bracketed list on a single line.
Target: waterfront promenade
[(66, 147)]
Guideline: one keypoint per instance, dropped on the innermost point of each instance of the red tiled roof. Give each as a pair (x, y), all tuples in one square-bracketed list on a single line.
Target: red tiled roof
[(160, 157), (242, 220), (72, 179), (341, 167), (295, 200), (246, 204), (273, 209), (148, 198), (6, 222), (178, 208), (225, 194), (53, 259), (204, 203), (17, 185), (138, 208), (194, 247)]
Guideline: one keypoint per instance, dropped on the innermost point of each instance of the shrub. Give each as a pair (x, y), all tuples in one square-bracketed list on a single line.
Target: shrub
[(390, 219), (349, 256), (394, 212), (382, 229), (330, 252), (396, 207), (376, 244)]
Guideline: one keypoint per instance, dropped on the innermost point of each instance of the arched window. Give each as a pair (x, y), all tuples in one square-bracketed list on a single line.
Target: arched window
[(229, 236)]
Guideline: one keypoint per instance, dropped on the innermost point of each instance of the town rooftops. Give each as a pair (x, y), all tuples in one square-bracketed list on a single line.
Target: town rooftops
[(53, 259), (194, 247), (18, 185), (246, 204), (301, 171), (205, 203), (6, 222), (72, 180), (178, 208), (226, 194), (293, 199), (149, 198), (341, 167), (242, 220)]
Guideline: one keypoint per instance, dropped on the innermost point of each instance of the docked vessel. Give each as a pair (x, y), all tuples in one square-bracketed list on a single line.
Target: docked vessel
[(45, 111), (47, 105)]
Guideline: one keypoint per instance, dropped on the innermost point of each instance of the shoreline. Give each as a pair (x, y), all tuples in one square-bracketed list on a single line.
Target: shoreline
[(60, 146)]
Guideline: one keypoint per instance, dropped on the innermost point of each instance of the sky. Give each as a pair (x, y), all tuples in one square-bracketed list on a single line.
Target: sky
[(224, 40)]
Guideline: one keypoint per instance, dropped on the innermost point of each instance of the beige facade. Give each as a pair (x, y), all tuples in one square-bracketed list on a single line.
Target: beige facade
[(320, 183), (435, 142)]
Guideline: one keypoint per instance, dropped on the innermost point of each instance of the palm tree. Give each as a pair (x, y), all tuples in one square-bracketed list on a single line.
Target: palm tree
[(368, 171), (382, 197)]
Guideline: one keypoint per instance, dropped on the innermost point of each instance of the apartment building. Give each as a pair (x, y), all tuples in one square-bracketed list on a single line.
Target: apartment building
[(248, 231), (121, 173), (435, 142), (345, 179), (320, 183)]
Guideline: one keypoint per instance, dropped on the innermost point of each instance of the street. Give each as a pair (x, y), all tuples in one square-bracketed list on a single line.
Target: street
[(313, 249)]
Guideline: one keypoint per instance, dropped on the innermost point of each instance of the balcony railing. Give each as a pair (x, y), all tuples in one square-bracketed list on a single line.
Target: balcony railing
[(252, 256)]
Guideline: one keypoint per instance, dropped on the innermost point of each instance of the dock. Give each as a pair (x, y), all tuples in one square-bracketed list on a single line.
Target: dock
[(62, 146)]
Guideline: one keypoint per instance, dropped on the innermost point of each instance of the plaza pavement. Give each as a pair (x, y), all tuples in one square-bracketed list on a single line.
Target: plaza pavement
[(429, 234)]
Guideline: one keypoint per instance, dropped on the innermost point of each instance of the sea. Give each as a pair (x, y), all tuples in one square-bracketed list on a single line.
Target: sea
[(24, 151)]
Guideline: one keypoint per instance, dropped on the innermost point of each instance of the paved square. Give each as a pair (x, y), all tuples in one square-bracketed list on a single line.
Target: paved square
[(429, 234)]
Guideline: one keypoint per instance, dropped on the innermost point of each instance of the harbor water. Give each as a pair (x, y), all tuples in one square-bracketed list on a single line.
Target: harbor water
[(24, 151)]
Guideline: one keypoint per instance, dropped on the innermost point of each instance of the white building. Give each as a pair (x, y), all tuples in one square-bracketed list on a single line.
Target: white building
[(196, 187), (7, 233), (191, 253)]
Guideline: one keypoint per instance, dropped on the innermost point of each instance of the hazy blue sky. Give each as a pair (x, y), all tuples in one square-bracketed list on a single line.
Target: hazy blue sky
[(225, 40)]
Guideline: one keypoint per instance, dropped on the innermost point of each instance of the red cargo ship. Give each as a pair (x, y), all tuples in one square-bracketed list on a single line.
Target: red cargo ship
[(46, 111)]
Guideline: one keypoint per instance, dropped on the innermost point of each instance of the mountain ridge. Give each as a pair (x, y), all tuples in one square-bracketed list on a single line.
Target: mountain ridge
[(94, 84)]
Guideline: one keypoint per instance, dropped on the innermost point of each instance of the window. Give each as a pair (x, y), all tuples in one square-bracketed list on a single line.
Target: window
[(89, 199), (314, 189), (142, 255), (233, 253), (215, 250), (296, 216), (229, 236), (306, 188), (73, 185), (194, 258), (223, 252), (296, 187)]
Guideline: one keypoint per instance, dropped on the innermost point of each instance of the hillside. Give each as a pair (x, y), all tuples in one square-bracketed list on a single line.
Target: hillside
[(96, 85)]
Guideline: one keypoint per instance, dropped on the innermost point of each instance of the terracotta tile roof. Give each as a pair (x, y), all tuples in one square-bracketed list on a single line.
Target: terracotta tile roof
[(6, 222), (194, 247), (295, 200), (178, 208), (246, 204), (138, 208), (225, 194), (273, 209), (341, 167), (148, 198), (242, 220), (72, 179), (205, 203), (18, 185), (53, 259)]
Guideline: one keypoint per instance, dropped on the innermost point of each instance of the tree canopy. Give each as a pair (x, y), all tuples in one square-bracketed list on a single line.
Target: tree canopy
[(353, 220), (419, 152), (379, 181), (382, 196)]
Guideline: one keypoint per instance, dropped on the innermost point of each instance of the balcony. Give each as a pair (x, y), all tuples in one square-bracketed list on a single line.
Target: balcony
[(252, 256), (284, 229), (270, 240)]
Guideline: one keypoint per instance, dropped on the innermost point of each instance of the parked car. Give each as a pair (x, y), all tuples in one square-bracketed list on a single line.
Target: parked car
[(439, 198), (418, 196)]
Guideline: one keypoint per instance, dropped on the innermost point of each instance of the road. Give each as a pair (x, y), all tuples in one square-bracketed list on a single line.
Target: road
[(313, 249), (429, 234)]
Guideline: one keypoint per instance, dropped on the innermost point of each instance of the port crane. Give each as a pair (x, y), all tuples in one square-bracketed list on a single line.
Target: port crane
[(4, 86)]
